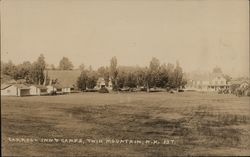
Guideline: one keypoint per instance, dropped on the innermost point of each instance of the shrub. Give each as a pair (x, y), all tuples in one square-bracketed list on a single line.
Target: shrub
[(91, 90), (143, 89), (53, 93), (103, 90), (154, 90)]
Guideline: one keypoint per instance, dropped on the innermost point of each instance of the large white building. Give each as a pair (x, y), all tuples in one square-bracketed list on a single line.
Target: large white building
[(211, 82)]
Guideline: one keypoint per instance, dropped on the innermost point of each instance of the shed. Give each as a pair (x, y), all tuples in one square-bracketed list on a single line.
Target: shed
[(14, 90), (38, 90), (57, 88)]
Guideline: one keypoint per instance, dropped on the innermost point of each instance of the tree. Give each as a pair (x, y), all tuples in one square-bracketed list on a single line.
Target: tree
[(154, 68), (82, 67), (87, 79), (82, 81), (227, 77), (163, 76), (104, 72), (37, 70), (65, 64), (114, 72), (140, 76), (23, 71), (170, 74), (121, 79), (130, 80), (8, 69), (178, 75), (91, 79), (52, 67)]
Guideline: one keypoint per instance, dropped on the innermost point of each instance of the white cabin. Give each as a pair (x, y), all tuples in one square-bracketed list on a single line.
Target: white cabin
[(15, 90), (38, 90)]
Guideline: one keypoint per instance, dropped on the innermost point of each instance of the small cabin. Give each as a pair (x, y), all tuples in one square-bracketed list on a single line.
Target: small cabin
[(66, 89), (15, 90), (38, 90), (56, 88)]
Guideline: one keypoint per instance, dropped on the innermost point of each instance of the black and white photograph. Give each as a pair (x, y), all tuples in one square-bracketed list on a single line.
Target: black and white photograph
[(132, 78)]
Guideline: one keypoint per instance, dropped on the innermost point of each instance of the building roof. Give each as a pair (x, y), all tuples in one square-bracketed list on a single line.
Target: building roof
[(20, 86), (4, 86), (204, 76), (40, 86), (100, 79), (57, 86), (238, 82), (66, 78)]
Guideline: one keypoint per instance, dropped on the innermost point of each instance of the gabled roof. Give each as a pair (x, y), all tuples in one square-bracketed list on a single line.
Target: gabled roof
[(12, 81), (204, 76), (57, 86), (20, 86), (66, 78), (238, 82), (40, 86), (4, 86), (100, 79)]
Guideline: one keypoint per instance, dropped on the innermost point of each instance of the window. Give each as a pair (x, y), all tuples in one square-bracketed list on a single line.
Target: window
[(8, 91), (222, 82), (216, 82)]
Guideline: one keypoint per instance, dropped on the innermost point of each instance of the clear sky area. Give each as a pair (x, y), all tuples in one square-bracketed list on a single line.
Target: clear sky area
[(199, 34)]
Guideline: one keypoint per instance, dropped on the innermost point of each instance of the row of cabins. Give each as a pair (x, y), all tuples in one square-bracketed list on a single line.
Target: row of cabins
[(66, 83), (21, 89), (26, 90)]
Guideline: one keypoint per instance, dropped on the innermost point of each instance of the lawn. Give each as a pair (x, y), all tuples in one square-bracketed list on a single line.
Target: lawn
[(199, 124)]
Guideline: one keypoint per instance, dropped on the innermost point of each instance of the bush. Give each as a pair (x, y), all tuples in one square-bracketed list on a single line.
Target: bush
[(103, 90), (172, 91), (91, 90), (154, 90), (53, 93), (143, 89), (124, 89)]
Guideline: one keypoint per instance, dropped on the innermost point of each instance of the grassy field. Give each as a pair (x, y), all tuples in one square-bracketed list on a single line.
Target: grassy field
[(199, 124)]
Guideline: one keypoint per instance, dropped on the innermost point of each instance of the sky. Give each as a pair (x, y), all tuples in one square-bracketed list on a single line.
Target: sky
[(200, 34)]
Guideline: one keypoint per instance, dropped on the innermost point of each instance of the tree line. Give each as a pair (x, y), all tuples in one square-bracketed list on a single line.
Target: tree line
[(155, 75), (33, 72)]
